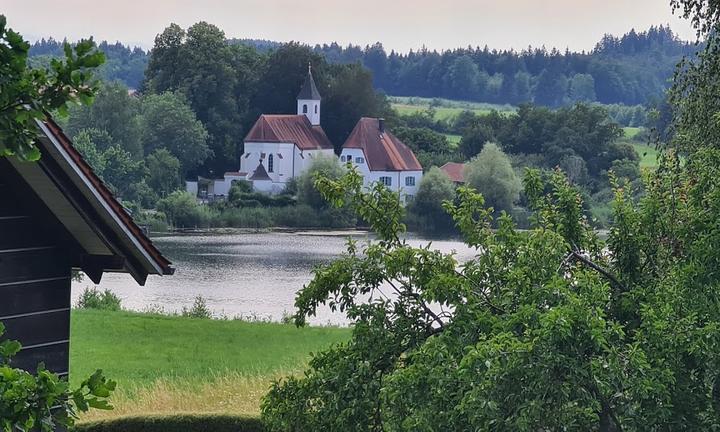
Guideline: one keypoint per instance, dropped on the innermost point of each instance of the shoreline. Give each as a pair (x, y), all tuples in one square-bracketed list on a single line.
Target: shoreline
[(339, 232)]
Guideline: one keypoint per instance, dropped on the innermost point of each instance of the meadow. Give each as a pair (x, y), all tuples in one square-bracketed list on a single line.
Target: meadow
[(648, 153), (172, 364), (445, 108)]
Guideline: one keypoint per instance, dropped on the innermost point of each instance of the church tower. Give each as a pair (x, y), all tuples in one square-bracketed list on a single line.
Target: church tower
[(309, 100)]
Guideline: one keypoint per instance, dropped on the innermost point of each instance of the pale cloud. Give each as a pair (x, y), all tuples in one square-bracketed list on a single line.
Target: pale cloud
[(398, 24)]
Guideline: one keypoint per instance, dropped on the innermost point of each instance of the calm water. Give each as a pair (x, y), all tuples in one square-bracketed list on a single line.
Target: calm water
[(250, 275)]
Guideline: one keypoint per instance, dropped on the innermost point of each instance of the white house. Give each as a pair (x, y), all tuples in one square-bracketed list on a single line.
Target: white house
[(381, 156)]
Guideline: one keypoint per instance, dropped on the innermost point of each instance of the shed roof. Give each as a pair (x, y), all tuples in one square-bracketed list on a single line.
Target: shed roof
[(454, 170), (109, 238), (383, 150), (289, 128)]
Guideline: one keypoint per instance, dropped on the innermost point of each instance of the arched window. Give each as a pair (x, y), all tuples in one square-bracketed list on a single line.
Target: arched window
[(315, 109), (271, 163), (305, 109)]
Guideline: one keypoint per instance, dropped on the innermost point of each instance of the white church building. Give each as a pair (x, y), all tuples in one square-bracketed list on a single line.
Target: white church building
[(280, 147)]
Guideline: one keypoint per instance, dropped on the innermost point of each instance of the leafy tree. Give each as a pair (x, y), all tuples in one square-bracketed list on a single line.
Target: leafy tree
[(350, 83), (122, 171), (474, 138), (169, 123), (85, 144), (463, 80), (115, 112), (307, 192), (551, 88), (549, 329), (26, 94), (199, 64), (164, 172), (582, 88), (181, 209), (491, 174), (435, 188)]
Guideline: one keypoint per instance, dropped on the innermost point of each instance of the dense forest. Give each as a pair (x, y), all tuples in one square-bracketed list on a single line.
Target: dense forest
[(631, 69)]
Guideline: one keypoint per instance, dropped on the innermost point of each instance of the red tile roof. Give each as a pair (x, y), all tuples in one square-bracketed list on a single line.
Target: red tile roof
[(383, 151), (295, 129), (103, 194), (454, 170)]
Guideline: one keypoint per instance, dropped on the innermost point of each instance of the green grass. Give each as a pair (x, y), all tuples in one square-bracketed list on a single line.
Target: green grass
[(631, 132), (445, 108), (453, 139), (648, 155), (135, 348), (171, 364)]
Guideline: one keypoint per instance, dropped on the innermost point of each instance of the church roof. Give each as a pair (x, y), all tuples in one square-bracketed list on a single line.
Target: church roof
[(309, 91), (260, 173), (285, 128), (454, 170), (383, 151)]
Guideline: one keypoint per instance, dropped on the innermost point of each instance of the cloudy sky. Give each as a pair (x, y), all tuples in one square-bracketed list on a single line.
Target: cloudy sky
[(398, 24)]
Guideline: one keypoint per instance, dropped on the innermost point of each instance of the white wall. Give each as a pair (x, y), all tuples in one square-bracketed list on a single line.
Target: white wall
[(191, 187), (282, 166), (313, 110), (398, 178)]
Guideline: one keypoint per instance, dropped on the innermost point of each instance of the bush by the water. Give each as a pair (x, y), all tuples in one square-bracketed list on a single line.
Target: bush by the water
[(92, 298), (199, 309), (175, 423)]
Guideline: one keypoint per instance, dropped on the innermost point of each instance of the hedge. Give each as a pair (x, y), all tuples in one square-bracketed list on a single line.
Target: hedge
[(173, 423)]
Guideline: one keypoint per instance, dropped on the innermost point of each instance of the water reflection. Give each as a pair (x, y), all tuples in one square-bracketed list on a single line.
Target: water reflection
[(249, 275)]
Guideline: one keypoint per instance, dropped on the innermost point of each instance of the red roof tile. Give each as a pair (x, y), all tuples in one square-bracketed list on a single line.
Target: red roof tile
[(454, 170), (383, 151), (104, 194), (295, 129)]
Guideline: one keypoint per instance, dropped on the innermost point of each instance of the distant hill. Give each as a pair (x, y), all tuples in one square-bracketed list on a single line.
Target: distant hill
[(632, 69)]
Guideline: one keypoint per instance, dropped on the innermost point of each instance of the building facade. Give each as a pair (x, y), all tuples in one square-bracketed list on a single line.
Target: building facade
[(381, 157)]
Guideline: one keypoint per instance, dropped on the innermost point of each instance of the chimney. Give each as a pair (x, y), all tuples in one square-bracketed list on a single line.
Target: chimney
[(381, 125)]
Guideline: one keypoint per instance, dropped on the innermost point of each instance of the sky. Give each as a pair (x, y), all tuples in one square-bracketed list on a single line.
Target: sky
[(399, 24)]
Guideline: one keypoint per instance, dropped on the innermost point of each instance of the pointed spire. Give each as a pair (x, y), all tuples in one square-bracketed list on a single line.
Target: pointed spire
[(309, 90)]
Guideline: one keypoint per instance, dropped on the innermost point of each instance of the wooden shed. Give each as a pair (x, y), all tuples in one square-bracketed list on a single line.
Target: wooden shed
[(56, 215)]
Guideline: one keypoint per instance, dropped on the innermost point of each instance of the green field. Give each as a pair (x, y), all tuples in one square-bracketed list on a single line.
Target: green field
[(648, 155), (445, 108), (174, 364)]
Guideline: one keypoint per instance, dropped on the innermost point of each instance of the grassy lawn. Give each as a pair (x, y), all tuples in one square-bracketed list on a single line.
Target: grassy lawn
[(648, 155), (454, 139), (447, 108), (631, 132), (175, 364)]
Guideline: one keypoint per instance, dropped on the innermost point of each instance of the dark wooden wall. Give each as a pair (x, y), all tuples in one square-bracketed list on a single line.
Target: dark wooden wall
[(35, 276)]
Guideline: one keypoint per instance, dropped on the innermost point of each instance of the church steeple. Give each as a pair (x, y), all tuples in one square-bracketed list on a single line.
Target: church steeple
[(309, 99)]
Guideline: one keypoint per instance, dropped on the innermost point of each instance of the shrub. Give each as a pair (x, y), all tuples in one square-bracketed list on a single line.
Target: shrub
[(183, 210), (185, 423), (92, 298), (199, 309)]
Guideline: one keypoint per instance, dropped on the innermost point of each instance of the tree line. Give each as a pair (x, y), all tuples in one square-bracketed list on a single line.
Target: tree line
[(631, 69)]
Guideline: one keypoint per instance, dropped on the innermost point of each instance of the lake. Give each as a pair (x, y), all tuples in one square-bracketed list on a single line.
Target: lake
[(253, 275)]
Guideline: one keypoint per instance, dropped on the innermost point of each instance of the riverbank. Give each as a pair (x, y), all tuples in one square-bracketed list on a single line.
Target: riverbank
[(353, 232), (174, 364)]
